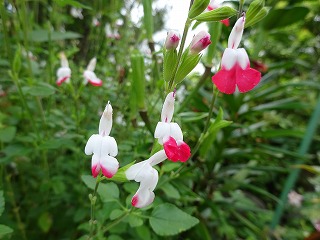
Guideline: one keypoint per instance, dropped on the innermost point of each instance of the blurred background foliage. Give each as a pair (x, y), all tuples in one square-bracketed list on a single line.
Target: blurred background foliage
[(231, 185)]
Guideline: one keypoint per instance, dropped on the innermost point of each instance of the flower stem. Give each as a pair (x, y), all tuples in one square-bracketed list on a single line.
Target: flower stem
[(93, 199)]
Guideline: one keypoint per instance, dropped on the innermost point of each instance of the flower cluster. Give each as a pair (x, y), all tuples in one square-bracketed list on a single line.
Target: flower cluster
[(235, 65), (103, 147), (64, 72), (169, 135)]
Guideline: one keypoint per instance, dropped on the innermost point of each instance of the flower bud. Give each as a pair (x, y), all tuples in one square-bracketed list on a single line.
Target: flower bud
[(106, 121), (172, 40), (236, 33), (199, 42)]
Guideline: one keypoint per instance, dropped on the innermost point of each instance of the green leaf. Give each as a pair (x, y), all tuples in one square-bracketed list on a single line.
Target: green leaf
[(72, 3), (188, 63), (198, 7), (4, 230), (143, 232), (169, 63), (167, 220), (43, 35), (7, 134), (257, 18), (218, 14), (211, 134), (170, 191), (253, 9), (135, 221), (2, 202), (41, 90), (278, 18), (17, 60), (120, 176), (45, 222), (116, 213)]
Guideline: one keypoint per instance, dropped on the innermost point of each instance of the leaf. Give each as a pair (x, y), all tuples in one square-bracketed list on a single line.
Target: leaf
[(135, 221), (7, 134), (143, 232), (4, 230), (198, 7), (43, 90), (170, 191), (72, 3), (44, 35), (217, 14), (45, 222), (278, 18), (257, 18), (188, 63), (170, 58), (116, 213), (167, 220), (2, 202)]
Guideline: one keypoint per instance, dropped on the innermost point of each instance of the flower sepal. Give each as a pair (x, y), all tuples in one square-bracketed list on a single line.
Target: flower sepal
[(218, 14), (170, 58)]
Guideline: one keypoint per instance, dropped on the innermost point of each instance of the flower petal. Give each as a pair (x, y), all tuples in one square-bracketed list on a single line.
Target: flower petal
[(247, 79), (184, 151), (168, 108), (236, 33), (108, 146), (229, 59), (109, 166), (142, 198), (175, 131), (91, 77), (171, 148), (157, 158), (135, 169), (95, 165), (93, 144), (225, 22), (162, 130), (225, 80), (105, 124)]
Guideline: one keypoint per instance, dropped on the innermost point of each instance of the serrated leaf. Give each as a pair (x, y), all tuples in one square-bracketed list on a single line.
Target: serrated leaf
[(167, 220), (5, 230), (217, 14), (7, 134)]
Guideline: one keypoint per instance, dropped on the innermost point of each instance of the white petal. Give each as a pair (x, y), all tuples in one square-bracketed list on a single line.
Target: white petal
[(150, 178), (93, 144), (91, 77), (229, 58), (105, 124), (108, 146), (168, 108), (92, 64), (242, 58), (236, 33), (162, 130), (142, 198), (109, 166), (63, 72), (157, 158), (175, 131), (135, 169)]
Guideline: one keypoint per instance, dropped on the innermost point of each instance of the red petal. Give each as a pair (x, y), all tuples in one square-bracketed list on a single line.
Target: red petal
[(171, 149), (225, 80), (247, 79), (95, 170), (61, 80), (134, 200), (96, 84), (184, 151)]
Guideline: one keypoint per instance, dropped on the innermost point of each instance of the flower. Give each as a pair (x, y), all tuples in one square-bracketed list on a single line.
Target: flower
[(64, 72), (295, 198), (212, 5), (89, 74), (103, 147), (172, 40), (76, 12), (235, 65), (169, 133), (200, 42), (147, 176)]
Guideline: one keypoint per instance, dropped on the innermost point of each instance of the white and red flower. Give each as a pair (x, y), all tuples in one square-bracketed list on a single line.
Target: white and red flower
[(235, 65), (103, 147), (172, 40), (214, 5), (199, 42), (64, 72), (89, 74), (144, 173), (169, 133)]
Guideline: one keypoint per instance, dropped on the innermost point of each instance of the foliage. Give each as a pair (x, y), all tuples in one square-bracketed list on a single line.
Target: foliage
[(231, 186)]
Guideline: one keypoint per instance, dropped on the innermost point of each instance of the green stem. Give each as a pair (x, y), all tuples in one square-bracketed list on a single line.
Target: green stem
[(116, 222), (241, 2), (292, 178), (93, 199)]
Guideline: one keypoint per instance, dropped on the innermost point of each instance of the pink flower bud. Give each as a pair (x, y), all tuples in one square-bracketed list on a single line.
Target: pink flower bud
[(172, 40), (199, 42), (236, 33)]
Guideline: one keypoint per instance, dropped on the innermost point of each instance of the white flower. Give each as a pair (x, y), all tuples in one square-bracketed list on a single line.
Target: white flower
[(64, 72), (89, 74)]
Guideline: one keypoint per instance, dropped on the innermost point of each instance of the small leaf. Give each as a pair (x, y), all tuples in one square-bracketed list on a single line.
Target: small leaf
[(167, 220), (116, 214), (170, 191), (43, 90), (4, 230), (45, 222), (135, 221), (218, 14), (253, 9), (257, 18), (188, 63), (198, 7), (169, 63), (7, 134)]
